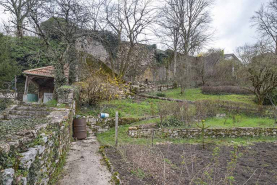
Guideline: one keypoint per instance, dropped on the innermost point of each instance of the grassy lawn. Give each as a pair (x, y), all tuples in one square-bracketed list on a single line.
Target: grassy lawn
[(196, 94), (126, 108), (240, 121), (107, 138), (134, 108)]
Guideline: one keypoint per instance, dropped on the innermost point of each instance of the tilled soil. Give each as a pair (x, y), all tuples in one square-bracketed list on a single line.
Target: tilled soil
[(191, 164)]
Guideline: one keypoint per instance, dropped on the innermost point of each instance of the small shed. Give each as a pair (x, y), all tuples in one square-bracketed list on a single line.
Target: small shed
[(43, 78)]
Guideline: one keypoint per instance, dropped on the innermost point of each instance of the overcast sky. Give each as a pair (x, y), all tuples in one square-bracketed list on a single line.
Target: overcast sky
[(231, 22)]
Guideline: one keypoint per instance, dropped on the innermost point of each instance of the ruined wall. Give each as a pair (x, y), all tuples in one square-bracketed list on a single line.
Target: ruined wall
[(137, 132)]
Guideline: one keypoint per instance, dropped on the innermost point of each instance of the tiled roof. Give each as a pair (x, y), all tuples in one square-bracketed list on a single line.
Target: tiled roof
[(47, 71)]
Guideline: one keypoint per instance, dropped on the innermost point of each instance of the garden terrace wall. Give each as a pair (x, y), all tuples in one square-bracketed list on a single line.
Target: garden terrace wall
[(137, 132), (37, 156), (99, 125), (143, 88)]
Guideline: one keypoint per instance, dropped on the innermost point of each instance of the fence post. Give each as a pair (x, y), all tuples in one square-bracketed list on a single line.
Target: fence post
[(152, 138), (116, 128)]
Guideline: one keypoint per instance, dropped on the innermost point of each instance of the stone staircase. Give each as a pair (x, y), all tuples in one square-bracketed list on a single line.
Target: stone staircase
[(25, 110)]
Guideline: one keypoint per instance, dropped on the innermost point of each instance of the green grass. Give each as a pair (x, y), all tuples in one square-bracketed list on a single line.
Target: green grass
[(240, 121), (236, 121), (196, 94), (126, 108), (107, 138)]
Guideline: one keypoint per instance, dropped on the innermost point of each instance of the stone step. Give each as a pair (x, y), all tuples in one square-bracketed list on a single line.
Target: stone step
[(29, 113), (11, 117), (32, 108)]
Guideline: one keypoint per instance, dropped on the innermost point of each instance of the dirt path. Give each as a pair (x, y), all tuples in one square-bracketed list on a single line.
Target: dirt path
[(83, 165)]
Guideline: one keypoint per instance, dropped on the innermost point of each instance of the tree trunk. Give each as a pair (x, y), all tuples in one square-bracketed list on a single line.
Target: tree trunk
[(19, 30), (175, 63), (260, 99), (276, 47), (182, 89)]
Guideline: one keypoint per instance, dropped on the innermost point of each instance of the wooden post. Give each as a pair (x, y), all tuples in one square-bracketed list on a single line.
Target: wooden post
[(152, 139), (15, 87), (26, 85), (116, 128)]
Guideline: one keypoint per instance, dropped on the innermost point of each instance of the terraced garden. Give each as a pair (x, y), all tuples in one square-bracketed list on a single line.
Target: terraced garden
[(223, 159)]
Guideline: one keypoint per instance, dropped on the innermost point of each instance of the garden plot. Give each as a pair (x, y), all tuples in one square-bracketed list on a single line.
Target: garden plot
[(186, 163)]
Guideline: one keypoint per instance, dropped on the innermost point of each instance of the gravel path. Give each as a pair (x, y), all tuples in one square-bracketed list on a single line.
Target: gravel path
[(83, 165)]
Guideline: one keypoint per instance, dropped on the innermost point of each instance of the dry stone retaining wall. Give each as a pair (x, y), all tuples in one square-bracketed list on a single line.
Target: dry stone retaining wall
[(144, 88), (99, 125), (36, 157), (137, 132)]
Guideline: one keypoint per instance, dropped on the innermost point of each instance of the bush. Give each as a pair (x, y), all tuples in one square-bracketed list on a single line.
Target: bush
[(175, 114), (175, 85), (273, 98), (160, 95), (224, 90), (52, 103), (206, 108), (171, 122), (4, 103)]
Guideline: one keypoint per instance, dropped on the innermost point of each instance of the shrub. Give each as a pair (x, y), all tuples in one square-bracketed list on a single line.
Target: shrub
[(4, 103), (272, 98), (160, 94), (52, 103), (175, 114), (171, 122), (224, 90), (175, 85), (164, 110), (206, 108)]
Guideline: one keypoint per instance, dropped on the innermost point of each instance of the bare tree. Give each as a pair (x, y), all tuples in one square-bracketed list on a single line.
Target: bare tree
[(6, 27), (194, 19), (261, 67), (265, 19), (184, 72), (262, 72), (273, 102), (60, 23), (190, 21), (19, 9), (247, 52), (128, 19), (170, 29), (205, 65), (96, 9)]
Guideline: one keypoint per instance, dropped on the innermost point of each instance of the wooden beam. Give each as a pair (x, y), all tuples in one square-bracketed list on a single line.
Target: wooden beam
[(35, 83), (26, 85)]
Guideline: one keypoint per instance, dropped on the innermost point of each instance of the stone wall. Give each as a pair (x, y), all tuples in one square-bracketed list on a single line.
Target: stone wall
[(7, 94), (137, 132), (37, 156), (143, 88), (99, 125)]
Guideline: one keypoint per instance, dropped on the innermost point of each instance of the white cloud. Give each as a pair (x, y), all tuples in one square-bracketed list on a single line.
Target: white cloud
[(231, 21)]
